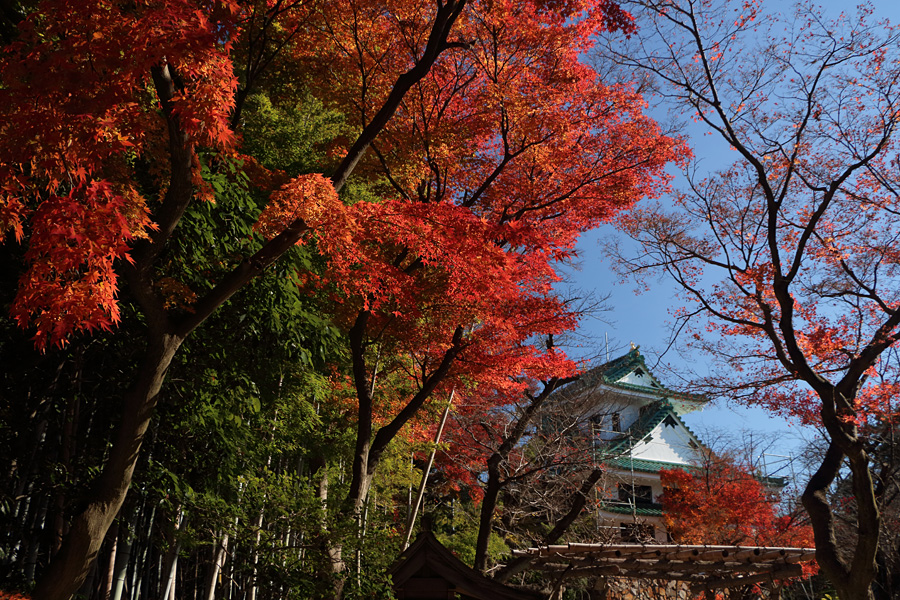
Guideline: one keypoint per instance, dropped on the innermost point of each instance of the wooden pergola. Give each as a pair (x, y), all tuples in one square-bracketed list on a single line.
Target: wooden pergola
[(705, 568)]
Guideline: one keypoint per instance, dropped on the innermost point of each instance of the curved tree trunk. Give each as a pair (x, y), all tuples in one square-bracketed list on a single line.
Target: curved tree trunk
[(88, 529), (852, 581), (579, 500)]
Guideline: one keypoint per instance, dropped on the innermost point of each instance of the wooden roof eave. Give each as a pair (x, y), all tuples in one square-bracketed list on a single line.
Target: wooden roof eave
[(428, 551)]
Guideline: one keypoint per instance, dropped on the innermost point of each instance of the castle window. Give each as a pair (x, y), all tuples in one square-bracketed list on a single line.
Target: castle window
[(639, 495)]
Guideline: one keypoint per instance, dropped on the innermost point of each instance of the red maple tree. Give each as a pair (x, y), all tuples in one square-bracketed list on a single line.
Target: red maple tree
[(721, 503), (491, 167), (484, 144)]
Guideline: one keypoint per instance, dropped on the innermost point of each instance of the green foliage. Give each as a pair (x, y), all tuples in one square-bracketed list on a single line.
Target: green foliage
[(292, 136), (240, 422), (213, 236), (458, 531)]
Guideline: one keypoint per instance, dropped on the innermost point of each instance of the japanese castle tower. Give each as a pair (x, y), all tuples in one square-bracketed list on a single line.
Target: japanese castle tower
[(637, 429)]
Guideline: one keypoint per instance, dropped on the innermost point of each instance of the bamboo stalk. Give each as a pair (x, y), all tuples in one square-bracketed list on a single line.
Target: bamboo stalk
[(411, 522)]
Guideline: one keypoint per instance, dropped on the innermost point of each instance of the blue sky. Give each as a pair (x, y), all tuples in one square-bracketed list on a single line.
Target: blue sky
[(645, 319)]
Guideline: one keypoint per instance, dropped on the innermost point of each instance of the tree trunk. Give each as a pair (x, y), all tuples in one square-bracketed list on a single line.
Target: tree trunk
[(171, 560), (494, 483), (852, 580), (169, 590), (67, 450), (488, 506), (67, 571), (255, 570), (88, 587), (31, 556), (141, 568)]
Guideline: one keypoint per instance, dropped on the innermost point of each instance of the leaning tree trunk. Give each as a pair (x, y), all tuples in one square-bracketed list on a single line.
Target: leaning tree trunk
[(488, 507), (88, 529), (497, 459), (576, 507), (219, 552)]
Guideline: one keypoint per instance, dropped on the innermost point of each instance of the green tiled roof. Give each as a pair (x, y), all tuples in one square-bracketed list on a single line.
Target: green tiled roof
[(623, 365), (653, 510), (643, 465), (640, 428), (610, 372)]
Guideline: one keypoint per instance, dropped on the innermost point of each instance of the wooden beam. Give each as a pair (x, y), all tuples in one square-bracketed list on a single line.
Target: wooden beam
[(756, 567), (684, 569), (686, 554), (786, 573), (770, 554), (749, 554), (666, 548), (694, 563), (661, 575)]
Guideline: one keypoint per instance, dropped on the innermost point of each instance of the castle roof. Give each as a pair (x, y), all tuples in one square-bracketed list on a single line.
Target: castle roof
[(661, 411), (629, 373), (618, 454)]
